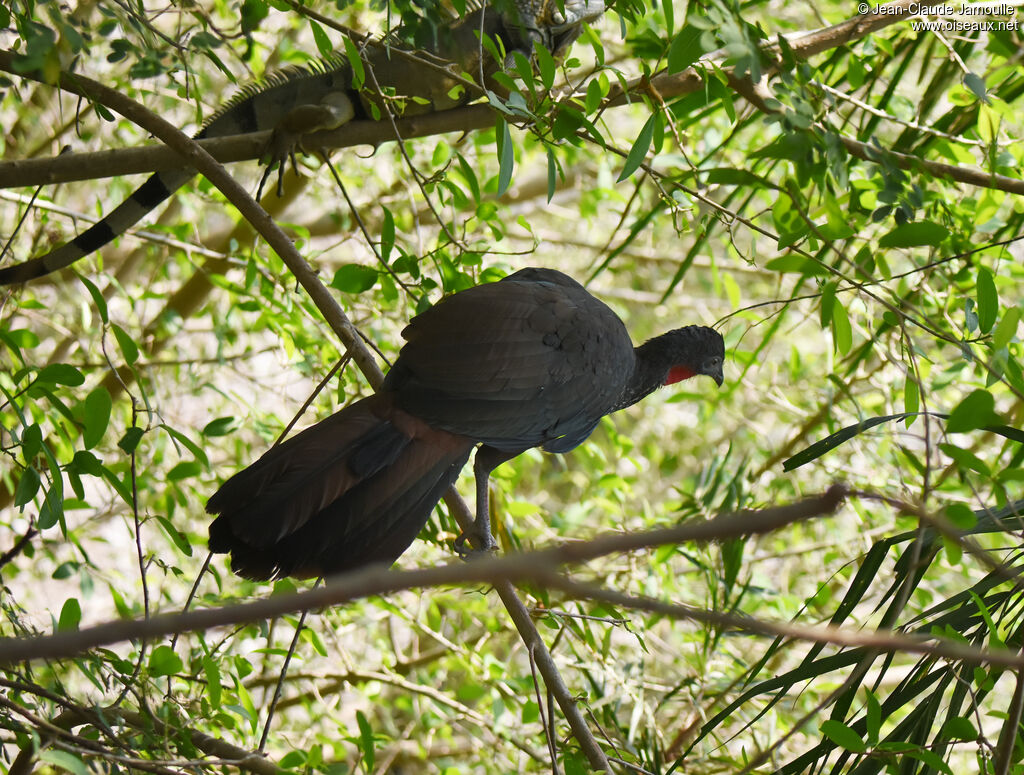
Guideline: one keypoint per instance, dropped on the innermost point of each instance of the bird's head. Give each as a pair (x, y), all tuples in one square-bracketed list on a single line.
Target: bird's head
[(693, 351)]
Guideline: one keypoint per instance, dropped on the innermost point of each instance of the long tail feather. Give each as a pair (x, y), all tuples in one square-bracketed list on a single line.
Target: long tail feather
[(353, 490)]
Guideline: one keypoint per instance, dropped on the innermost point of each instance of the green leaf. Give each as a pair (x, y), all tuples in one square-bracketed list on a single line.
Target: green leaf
[(961, 515), (819, 448), (795, 263), (253, 12), (365, 740), (827, 302), (96, 416), (62, 760), (354, 278), (163, 661), (545, 65), (27, 487), (931, 759), (911, 399), (356, 62), (873, 717), (190, 445), (506, 156), (595, 93), (212, 670), (60, 374), (988, 300), (70, 615), (910, 235), (638, 152), (958, 728), (843, 736), (176, 536), (976, 84), (685, 48), (185, 470), (32, 442), (129, 349), (323, 43), (1007, 328), (97, 298), (552, 174), (387, 235), (976, 411), (222, 426), (842, 333), (966, 459), (130, 440), (22, 338)]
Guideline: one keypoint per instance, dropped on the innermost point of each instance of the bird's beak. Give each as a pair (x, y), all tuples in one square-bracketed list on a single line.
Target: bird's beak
[(713, 369)]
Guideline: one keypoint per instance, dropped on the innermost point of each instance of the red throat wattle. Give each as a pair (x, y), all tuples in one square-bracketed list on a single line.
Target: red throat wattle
[(678, 374)]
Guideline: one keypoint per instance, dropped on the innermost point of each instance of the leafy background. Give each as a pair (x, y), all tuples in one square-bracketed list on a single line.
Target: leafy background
[(797, 203)]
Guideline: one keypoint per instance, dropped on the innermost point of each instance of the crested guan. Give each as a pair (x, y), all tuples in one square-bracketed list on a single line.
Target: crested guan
[(532, 360)]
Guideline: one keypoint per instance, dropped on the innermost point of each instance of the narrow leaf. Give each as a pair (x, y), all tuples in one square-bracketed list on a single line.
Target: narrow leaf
[(966, 459), (506, 156), (1007, 328), (323, 43), (638, 152), (356, 62), (988, 300), (129, 349), (97, 297), (911, 399), (842, 333)]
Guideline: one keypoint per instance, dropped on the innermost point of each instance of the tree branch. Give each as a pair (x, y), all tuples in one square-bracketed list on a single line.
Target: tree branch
[(531, 566), (537, 567), (126, 161)]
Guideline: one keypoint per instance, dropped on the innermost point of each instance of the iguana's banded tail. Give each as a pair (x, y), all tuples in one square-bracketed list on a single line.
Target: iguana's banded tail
[(301, 100), (145, 198)]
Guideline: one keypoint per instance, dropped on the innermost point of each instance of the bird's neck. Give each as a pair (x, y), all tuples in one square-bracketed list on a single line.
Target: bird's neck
[(652, 368)]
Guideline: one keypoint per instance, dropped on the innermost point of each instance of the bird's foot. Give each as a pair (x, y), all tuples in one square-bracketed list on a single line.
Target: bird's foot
[(483, 544)]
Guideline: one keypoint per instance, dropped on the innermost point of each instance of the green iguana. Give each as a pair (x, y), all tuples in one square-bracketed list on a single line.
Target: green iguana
[(302, 100)]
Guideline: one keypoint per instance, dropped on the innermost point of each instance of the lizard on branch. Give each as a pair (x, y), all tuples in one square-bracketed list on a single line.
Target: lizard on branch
[(299, 101)]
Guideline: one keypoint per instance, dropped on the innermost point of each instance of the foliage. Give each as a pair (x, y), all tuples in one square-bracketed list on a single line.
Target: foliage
[(850, 221)]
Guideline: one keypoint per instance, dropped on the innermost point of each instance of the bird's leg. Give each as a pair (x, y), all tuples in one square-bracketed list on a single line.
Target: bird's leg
[(486, 460)]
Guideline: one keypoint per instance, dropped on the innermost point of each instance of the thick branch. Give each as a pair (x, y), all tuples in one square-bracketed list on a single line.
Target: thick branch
[(538, 567), (532, 566), (125, 161)]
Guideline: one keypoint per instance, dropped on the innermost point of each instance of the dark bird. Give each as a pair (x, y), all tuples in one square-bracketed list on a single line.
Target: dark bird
[(532, 360)]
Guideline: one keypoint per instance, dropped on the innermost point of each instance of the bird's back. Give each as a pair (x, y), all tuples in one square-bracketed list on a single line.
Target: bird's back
[(525, 361)]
